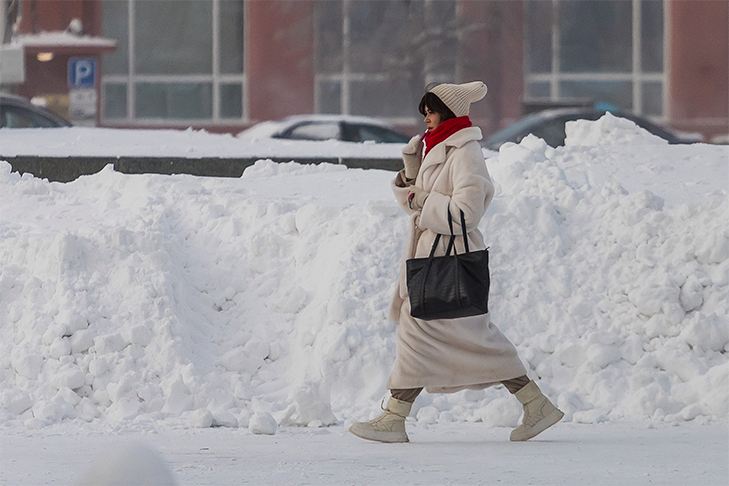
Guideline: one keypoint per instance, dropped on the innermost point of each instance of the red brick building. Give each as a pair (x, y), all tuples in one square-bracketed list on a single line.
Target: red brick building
[(226, 64)]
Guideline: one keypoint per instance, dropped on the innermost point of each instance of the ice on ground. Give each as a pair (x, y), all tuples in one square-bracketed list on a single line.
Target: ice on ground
[(215, 302)]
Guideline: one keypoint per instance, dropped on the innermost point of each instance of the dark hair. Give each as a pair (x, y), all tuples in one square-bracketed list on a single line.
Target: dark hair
[(435, 105)]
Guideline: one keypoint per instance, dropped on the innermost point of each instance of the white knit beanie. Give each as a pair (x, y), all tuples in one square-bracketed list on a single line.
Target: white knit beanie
[(458, 97)]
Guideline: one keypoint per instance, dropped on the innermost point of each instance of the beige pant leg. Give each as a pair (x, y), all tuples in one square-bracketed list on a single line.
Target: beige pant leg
[(406, 395), (515, 384)]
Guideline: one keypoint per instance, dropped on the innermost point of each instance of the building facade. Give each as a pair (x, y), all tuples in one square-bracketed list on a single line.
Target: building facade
[(226, 64)]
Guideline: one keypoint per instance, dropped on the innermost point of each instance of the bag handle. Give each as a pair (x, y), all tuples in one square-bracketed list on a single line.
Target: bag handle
[(464, 231), (451, 241)]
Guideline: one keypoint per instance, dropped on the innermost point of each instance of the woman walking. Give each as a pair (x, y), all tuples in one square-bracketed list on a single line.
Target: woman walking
[(445, 172)]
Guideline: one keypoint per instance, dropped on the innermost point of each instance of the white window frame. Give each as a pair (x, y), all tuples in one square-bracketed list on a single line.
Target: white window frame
[(636, 77), (346, 77), (131, 79)]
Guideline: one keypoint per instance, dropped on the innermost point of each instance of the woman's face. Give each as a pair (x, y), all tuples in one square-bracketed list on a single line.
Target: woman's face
[(432, 119)]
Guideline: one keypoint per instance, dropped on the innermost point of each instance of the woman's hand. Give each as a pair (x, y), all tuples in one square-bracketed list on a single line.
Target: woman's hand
[(416, 198), (411, 156)]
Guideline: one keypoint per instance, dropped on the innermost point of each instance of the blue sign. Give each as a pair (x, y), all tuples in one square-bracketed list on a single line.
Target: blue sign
[(81, 72)]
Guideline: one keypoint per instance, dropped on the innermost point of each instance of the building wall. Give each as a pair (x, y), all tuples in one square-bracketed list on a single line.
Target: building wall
[(49, 79), (39, 16), (54, 15), (493, 53), (45, 77), (279, 58), (699, 66)]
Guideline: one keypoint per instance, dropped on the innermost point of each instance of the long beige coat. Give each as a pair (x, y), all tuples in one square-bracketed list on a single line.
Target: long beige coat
[(448, 355)]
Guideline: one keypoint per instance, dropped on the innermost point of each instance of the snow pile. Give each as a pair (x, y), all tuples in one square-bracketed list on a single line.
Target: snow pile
[(608, 130), (616, 297), (161, 297), (221, 302)]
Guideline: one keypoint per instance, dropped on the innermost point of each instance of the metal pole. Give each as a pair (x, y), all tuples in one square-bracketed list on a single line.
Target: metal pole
[(4, 21)]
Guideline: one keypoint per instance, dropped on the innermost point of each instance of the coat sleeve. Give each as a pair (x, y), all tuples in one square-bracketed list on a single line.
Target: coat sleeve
[(401, 189), (472, 193)]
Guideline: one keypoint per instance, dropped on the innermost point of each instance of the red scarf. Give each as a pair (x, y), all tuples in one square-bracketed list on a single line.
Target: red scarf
[(444, 130)]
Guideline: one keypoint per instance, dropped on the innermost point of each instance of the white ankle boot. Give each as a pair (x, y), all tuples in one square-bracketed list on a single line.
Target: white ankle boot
[(388, 427), (539, 413)]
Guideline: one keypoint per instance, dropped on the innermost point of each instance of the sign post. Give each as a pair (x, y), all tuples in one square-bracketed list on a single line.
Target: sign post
[(82, 96)]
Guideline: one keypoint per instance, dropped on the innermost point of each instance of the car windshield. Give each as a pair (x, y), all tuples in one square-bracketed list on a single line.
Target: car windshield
[(314, 131), (372, 133), (548, 127), (18, 117), (512, 131)]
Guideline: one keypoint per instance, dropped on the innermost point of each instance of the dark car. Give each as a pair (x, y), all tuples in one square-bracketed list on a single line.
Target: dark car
[(327, 127), (549, 125), (19, 112)]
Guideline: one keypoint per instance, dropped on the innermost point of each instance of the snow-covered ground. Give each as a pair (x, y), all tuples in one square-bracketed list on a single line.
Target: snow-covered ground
[(112, 142), (609, 454), (150, 307)]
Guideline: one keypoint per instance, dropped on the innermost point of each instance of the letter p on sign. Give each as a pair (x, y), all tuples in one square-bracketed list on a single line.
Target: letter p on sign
[(81, 72)]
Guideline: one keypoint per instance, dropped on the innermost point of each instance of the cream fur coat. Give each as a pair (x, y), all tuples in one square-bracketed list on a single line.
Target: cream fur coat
[(448, 355)]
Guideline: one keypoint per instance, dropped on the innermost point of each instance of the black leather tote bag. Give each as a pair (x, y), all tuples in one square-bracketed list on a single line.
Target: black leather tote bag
[(450, 286)]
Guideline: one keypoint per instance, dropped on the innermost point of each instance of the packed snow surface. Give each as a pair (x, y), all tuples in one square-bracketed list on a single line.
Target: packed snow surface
[(114, 142), (457, 453), (261, 302)]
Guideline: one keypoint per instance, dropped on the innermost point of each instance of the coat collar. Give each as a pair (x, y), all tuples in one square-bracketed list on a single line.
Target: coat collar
[(437, 155)]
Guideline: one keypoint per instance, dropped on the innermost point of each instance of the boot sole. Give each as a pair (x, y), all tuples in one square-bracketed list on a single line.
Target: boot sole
[(541, 426), (387, 437)]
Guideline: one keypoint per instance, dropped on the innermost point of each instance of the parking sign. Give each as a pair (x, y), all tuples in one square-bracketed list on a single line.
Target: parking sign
[(81, 72)]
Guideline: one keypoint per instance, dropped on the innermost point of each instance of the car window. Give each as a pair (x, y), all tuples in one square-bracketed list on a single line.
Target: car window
[(373, 133), (18, 117), (553, 131), (314, 131), (513, 133)]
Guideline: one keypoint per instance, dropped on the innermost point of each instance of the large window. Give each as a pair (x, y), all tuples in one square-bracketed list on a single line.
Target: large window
[(605, 51), (176, 61), (374, 57)]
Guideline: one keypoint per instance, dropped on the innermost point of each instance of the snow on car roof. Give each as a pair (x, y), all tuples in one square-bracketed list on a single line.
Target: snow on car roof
[(270, 127)]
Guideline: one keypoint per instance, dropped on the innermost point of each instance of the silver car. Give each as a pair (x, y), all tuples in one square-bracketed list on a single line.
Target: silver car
[(19, 112), (327, 127)]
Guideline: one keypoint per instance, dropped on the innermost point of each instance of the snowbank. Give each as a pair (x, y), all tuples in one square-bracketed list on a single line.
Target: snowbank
[(199, 302), (113, 142)]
